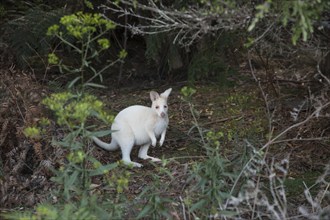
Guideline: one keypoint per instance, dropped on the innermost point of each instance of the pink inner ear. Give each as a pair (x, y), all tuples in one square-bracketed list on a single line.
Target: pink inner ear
[(154, 95)]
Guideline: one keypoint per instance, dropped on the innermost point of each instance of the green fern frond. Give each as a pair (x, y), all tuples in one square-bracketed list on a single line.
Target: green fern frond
[(28, 33)]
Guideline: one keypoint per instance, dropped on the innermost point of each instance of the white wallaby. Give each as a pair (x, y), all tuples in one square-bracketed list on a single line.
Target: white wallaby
[(139, 126)]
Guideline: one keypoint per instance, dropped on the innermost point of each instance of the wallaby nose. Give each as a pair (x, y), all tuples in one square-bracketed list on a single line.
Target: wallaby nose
[(162, 114)]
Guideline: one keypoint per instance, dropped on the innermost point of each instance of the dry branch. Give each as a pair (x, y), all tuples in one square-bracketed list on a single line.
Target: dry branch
[(188, 25)]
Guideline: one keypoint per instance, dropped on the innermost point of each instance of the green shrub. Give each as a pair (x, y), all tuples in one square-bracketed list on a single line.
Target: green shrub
[(211, 61), (155, 197), (213, 176)]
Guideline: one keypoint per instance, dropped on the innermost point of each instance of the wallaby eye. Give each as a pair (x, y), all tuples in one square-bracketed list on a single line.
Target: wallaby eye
[(165, 106), (157, 107)]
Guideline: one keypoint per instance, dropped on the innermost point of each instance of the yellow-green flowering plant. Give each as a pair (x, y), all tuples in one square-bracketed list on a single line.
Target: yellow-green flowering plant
[(72, 113), (73, 110), (74, 178), (87, 34)]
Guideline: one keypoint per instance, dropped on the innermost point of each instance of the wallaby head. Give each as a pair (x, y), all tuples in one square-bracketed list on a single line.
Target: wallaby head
[(159, 102)]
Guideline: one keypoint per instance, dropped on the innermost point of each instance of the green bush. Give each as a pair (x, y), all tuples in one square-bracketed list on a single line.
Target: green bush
[(155, 198), (211, 60), (213, 176)]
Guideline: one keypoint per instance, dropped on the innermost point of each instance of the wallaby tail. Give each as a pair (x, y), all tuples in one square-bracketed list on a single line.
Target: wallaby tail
[(112, 146)]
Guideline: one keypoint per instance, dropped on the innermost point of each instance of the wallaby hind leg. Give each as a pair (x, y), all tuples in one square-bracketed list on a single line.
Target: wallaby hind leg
[(126, 149), (125, 138), (143, 153)]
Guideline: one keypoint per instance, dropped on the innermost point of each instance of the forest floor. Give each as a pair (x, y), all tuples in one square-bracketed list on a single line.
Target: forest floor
[(243, 113)]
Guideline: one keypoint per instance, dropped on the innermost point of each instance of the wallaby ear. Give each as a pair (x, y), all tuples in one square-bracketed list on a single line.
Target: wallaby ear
[(166, 93), (154, 95)]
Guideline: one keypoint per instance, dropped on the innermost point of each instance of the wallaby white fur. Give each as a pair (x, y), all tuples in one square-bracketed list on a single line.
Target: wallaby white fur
[(139, 126)]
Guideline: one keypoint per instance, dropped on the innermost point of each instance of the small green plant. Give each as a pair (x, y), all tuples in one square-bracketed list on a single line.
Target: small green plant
[(187, 93), (236, 105), (157, 205), (2, 11), (32, 132), (88, 208), (73, 112), (212, 176), (212, 179)]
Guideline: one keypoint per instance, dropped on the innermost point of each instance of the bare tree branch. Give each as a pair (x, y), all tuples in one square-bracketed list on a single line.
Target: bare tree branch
[(188, 25)]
